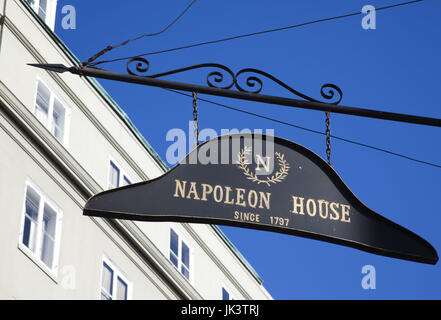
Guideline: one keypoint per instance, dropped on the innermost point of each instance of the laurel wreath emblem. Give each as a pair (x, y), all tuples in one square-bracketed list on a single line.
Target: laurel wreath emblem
[(279, 176)]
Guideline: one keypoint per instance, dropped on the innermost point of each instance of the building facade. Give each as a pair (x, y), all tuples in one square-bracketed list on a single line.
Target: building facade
[(62, 140)]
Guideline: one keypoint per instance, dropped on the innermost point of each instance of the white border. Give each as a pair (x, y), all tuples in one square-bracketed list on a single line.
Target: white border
[(51, 11), (53, 272), (122, 172), (191, 253), (226, 288), (67, 111), (116, 273)]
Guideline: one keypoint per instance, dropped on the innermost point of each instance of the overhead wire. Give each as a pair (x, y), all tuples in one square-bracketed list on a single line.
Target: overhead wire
[(253, 33), (102, 52), (109, 48), (310, 130)]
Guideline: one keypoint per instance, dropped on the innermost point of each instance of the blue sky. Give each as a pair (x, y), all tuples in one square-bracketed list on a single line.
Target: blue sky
[(395, 68)]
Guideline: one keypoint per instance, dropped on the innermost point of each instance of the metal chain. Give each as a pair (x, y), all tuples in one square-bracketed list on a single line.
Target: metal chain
[(328, 137), (195, 118)]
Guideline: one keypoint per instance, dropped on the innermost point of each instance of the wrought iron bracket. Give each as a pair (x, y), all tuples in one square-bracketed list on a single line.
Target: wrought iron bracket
[(251, 90), (252, 83)]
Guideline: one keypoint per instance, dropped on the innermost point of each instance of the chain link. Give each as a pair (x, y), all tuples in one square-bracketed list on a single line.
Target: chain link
[(328, 137), (195, 118)]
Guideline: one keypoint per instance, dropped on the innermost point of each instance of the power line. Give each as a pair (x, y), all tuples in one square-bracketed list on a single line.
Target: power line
[(249, 35), (253, 33), (311, 130), (107, 49)]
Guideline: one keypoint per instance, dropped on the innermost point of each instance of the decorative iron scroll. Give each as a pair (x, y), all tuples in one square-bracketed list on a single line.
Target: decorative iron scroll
[(253, 83)]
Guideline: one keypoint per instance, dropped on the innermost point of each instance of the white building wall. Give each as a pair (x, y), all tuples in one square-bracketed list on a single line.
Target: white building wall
[(84, 240), (71, 173)]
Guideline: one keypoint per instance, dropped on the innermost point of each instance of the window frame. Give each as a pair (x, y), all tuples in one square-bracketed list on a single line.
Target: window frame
[(50, 114), (116, 274), (51, 11), (181, 240), (36, 254), (227, 290), (122, 174)]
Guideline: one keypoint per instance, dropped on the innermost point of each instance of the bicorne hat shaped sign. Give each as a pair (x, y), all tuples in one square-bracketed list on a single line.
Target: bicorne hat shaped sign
[(262, 182)]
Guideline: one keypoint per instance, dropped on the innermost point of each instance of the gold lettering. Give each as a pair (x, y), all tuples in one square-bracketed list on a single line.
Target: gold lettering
[(193, 191), (320, 202), (308, 207), (260, 161), (345, 213), (222, 194), (239, 197), (215, 193), (227, 195), (252, 198), (265, 197), (246, 216), (206, 189), (334, 207), (180, 187), (297, 205)]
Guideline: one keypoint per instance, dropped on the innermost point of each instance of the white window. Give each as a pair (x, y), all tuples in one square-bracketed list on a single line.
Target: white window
[(51, 112), (117, 177), (114, 286), (46, 10), (41, 227), (180, 254), (226, 295)]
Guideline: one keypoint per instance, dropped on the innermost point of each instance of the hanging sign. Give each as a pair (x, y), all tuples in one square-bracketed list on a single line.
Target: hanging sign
[(262, 182)]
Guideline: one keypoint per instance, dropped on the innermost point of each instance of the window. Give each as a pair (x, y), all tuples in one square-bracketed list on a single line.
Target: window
[(180, 254), (58, 120), (41, 227), (113, 176), (226, 294), (45, 9), (114, 286), (126, 181), (117, 177), (42, 103), (51, 112)]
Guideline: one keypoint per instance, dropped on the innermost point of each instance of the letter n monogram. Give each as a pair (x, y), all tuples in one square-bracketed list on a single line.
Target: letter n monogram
[(260, 161)]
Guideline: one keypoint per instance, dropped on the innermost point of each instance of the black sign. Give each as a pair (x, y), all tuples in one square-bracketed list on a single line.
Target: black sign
[(262, 182)]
